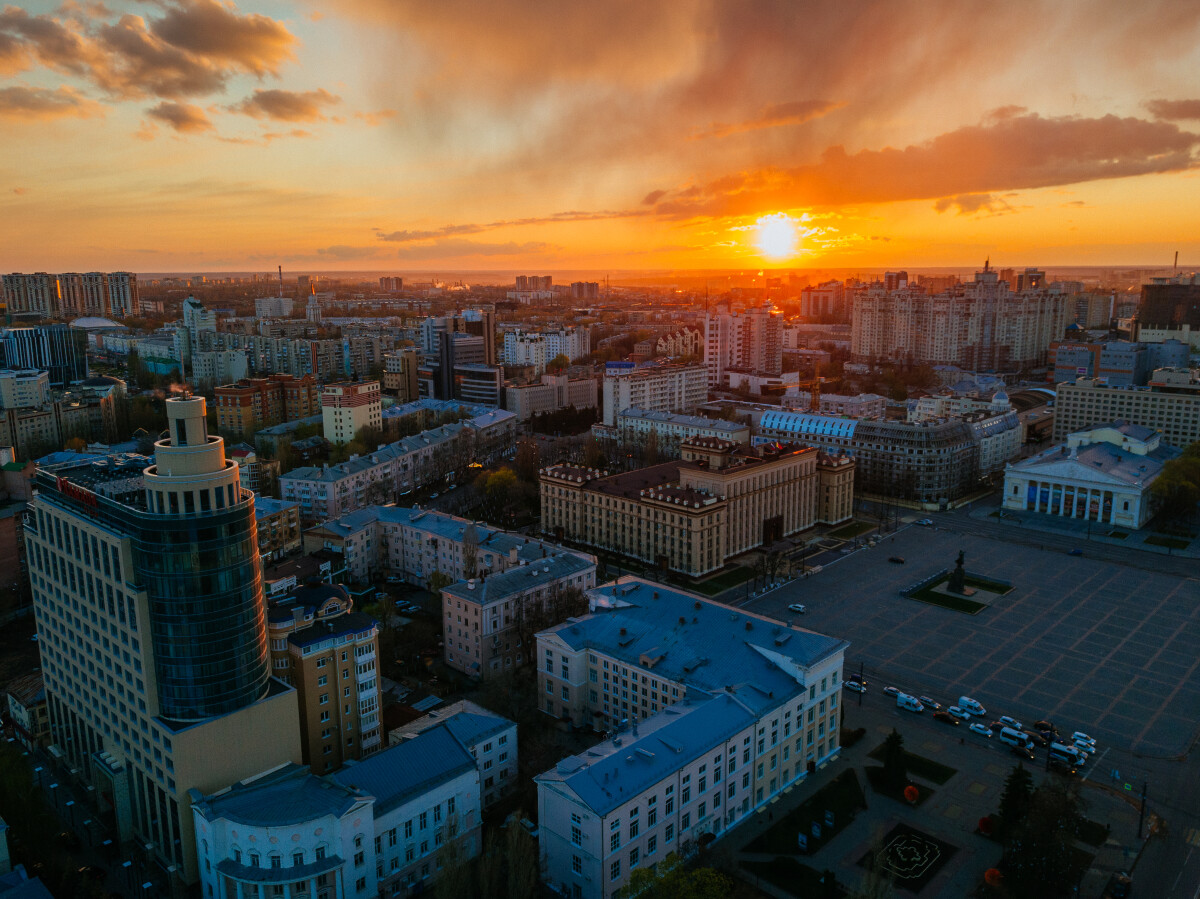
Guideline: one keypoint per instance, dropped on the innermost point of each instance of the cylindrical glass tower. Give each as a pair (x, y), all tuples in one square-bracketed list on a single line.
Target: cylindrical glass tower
[(197, 556)]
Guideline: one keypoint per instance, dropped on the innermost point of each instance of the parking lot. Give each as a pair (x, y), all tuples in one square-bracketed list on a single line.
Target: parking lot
[(1095, 646)]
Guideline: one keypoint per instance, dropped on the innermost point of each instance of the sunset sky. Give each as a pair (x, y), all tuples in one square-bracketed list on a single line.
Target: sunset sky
[(548, 134)]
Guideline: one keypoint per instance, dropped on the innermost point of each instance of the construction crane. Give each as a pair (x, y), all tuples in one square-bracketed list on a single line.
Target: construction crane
[(814, 390)]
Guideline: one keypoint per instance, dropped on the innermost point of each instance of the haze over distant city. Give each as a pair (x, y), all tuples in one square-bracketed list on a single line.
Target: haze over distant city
[(466, 136)]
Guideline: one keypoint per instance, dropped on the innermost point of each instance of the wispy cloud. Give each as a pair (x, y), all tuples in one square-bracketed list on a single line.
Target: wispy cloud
[(184, 118), (458, 249), (22, 103), (1175, 110), (776, 115), (287, 106)]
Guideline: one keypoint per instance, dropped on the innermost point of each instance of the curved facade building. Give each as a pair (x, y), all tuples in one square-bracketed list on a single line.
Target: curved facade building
[(197, 553)]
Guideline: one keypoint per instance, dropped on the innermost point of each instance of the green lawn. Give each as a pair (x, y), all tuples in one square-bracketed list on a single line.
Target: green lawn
[(843, 796), (1170, 542), (793, 878), (920, 766), (852, 530)]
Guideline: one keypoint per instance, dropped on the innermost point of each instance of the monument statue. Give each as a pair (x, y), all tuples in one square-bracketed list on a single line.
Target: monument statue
[(958, 577)]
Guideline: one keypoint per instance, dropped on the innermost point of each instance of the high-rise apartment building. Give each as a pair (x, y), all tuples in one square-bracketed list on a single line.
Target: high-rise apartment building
[(59, 350), (391, 284), (103, 294), (347, 408), (655, 388), (147, 590), (328, 652), (825, 302), (254, 403), (751, 342), (400, 374), (981, 326), (585, 290)]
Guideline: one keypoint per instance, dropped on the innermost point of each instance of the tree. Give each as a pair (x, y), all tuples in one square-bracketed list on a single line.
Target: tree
[(895, 765), (521, 852), (670, 879), (557, 364), (527, 461), (1016, 799), (1176, 490), (650, 450), (593, 456), (1038, 861)]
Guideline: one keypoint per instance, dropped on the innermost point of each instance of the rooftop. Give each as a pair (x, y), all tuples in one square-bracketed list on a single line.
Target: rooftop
[(325, 628), (289, 796), (697, 642), (521, 578), (265, 505), (408, 769), (615, 771), (468, 722), (689, 421)]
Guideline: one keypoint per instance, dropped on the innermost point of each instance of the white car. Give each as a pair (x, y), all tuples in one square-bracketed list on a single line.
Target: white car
[(930, 704), (1011, 722), (1080, 737), (962, 714), (798, 608), (854, 686), (982, 729), (891, 691)]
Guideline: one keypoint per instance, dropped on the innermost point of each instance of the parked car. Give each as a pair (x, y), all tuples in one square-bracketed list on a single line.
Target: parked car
[(925, 522), (1061, 766), (1037, 739), (798, 608), (972, 706), (855, 687), (1009, 721), (394, 579), (896, 560), (904, 701), (891, 691), (978, 728), (945, 718), (930, 703), (962, 714), (1022, 753), (1080, 737), (1043, 726)]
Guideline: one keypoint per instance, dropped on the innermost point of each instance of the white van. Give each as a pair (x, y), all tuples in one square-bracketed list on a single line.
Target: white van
[(966, 702), (1014, 738), (904, 701), (1065, 753)]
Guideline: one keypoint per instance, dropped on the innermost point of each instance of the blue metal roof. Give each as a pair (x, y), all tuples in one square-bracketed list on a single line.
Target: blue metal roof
[(290, 796), (409, 769), (617, 770), (807, 425), (707, 646)]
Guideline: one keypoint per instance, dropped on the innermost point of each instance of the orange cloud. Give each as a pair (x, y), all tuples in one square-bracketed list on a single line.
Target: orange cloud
[(378, 117), (774, 116), (1175, 110), (456, 248), (182, 117), (287, 106), (39, 104), (556, 218), (210, 30), (1012, 153)]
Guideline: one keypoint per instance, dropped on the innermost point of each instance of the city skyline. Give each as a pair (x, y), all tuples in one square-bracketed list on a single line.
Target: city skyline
[(465, 136)]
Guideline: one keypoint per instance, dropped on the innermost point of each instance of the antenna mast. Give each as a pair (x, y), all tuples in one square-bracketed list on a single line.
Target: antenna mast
[(281, 280)]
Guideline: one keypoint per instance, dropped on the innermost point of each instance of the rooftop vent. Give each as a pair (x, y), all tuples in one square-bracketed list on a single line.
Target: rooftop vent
[(682, 620), (697, 604), (749, 625)]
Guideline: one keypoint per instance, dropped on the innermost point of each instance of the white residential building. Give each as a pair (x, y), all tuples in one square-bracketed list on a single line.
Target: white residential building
[(348, 408), (376, 827), (863, 405), (655, 388), (751, 342), (554, 392), (536, 348), (711, 712), (490, 738), (634, 427)]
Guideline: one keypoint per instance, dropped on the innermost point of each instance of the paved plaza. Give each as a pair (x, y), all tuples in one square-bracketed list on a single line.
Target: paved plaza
[(1093, 645)]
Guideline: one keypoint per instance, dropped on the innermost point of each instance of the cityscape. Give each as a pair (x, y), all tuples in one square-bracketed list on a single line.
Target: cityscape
[(538, 451)]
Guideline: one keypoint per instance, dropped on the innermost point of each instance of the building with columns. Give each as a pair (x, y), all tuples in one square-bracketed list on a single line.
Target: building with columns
[(1102, 475)]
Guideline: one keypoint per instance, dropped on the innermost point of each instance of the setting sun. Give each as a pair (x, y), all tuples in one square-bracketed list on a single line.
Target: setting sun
[(777, 235)]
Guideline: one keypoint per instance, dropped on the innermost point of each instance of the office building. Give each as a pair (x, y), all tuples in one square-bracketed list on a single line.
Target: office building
[(925, 461), (490, 738), (375, 828), (489, 622), (1103, 474), (1169, 404), (979, 326), (59, 350), (163, 559), (655, 388), (1118, 363), (328, 652), (711, 713), (671, 431), (400, 374), (273, 307), (551, 394), (478, 384), (1170, 303), (719, 501), (751, 342), (253, 403), (347, 408)]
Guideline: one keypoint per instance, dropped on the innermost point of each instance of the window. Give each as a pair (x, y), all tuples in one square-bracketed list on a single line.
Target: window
[(614, 870), (576, 864), (576, 835), (670, 833), (614, 842), (633, 857), (651, 845), (633, 829)]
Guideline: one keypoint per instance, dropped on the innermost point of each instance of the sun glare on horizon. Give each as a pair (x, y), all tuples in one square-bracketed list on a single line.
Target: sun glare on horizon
[(777, 235)]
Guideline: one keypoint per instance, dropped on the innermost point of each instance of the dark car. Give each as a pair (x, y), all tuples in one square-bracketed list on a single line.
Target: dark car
[(945, 718), (1061, 767), (1043, 726), (996, 727), (896, 560), (1075, 552), (1036, 739), (1022, 753)]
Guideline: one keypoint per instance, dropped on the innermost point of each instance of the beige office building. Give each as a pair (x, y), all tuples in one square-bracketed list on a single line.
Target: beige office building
[(720, 500), (1169, 404)]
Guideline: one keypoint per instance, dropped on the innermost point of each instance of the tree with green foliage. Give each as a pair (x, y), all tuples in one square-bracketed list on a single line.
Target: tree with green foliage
[(1038, 861), (527, 462), (671, 879), (593, 456), (1176, 490), (557, 364), (895, 763), (1015, 800), (521, 854)]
